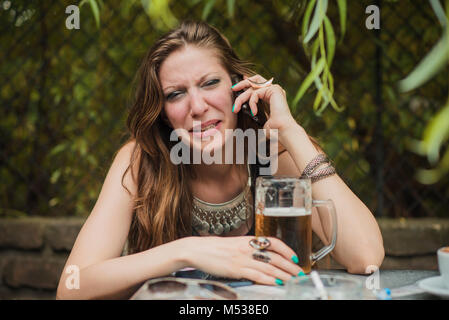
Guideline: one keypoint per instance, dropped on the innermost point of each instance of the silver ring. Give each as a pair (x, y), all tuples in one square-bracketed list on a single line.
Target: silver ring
[(260, 255), (260, 243)]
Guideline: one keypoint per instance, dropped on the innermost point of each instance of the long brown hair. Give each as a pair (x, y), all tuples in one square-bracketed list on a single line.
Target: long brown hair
[(163, 202)]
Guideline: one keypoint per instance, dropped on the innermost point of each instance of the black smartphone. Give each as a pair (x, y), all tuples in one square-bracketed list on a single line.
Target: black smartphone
[(245, 106)]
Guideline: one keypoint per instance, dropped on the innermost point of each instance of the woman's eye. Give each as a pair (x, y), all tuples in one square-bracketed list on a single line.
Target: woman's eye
[(175, 94), (172, 95), (212, 82)]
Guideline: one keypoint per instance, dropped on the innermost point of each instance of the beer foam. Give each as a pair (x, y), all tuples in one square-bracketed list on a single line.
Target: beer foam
[(286, 212)]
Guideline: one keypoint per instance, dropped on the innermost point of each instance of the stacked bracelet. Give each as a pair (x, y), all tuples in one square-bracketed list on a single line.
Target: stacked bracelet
[(311, 172)]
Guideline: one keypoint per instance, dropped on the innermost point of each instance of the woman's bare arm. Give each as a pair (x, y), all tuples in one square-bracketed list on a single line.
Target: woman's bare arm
[(359, 241), (97, 249)]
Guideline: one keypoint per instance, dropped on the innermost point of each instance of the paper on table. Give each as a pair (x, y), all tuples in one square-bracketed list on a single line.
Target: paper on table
[(261, 292)]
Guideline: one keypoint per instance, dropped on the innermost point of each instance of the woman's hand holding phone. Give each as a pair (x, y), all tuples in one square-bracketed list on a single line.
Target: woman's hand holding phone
[(257, 88)]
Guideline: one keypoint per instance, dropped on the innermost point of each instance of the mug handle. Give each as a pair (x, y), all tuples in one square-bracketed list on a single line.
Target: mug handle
[(326, 249)]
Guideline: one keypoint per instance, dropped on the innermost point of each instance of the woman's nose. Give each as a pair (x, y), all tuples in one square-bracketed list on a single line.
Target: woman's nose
[(197, 104)]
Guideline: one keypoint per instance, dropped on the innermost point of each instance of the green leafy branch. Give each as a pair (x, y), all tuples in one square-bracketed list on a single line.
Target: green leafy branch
[(436, 132), (95, 7), (209, 5), (161, 15), (321, 53), (158, 11)]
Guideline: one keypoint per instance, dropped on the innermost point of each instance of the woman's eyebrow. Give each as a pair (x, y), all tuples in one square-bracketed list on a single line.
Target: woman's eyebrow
[(200, 80)]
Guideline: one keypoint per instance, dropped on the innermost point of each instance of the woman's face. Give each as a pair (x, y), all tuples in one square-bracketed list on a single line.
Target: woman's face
[(198, 96)]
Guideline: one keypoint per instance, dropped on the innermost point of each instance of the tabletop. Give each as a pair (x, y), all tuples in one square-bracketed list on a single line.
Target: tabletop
[(402, 283)]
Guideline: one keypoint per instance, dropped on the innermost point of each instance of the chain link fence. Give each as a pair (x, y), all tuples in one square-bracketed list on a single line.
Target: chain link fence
[(65, 94)]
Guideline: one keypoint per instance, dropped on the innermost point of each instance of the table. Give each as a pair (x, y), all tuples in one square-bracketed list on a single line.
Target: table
[(402, 283), (398, 281)]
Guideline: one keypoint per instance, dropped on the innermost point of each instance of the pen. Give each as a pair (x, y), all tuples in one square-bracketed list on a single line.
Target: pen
[(240, 284)]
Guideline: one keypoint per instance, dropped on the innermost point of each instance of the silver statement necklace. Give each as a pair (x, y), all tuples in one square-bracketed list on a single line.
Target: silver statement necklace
[(220, 218)]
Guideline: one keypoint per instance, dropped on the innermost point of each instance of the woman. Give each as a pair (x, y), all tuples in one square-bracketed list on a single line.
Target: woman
[(155, 206)]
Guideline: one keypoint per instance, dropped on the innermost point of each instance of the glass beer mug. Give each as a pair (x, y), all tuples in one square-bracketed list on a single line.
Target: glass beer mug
[(284, 210)]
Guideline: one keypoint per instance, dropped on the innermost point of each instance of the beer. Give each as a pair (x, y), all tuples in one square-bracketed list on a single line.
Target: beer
[(291, 225), (284, 211)]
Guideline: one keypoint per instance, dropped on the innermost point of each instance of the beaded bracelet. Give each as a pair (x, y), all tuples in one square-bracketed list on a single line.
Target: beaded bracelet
[(311, 172), (322, 173), (313, 164)]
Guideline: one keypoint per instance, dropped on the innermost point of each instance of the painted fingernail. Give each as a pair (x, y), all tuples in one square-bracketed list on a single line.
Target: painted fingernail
[(233, 85), (295, 259), (233, 107), (279, 282), (301, 274), (251, 112)]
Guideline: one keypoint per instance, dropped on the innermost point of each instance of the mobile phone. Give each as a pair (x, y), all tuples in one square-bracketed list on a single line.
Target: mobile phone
[(245, 106)]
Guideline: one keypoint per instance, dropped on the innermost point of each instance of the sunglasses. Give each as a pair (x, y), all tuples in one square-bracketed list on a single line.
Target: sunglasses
[(181, 288)]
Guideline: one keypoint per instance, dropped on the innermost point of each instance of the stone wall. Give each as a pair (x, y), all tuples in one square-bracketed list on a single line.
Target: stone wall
[(33, 251)]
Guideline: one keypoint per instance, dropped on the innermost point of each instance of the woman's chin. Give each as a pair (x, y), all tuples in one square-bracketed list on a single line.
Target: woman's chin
[(207, 146), (210, 143)]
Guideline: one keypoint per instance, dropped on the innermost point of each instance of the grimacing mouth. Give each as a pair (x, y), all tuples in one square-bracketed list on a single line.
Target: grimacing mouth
[(206, 125)]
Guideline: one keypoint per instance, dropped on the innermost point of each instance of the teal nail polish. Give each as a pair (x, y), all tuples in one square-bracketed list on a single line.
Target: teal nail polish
[(233, 85), (279, 282), (251, 112), (233, 107), (301, 274), (295, 259)]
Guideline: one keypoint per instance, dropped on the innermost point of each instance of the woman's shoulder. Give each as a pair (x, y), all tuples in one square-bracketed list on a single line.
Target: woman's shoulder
[(127, 162), (127, 148), (127, 154)]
